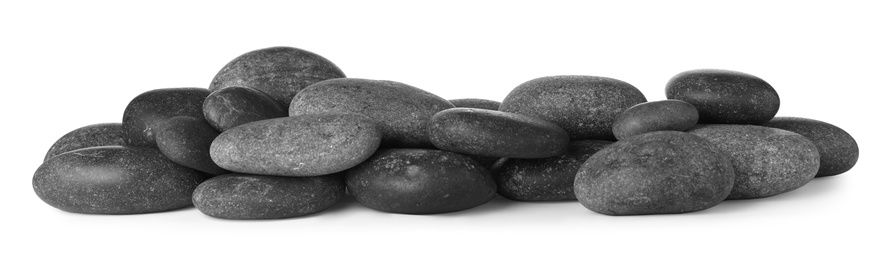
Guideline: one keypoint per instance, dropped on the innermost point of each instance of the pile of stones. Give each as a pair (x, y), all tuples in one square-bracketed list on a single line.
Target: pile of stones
[(281, 133)]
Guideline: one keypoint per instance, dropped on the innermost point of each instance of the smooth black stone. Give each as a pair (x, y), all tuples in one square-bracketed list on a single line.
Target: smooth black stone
[(280, 72), (419, 181), (838, 150), (548, 179), (186, 141), (106, 134), (150, 109), (662, 172), (493, 133), (233, 106), (115, 180), (725, 97), (585, 106), (475, 103), (401, 111), (303, 145), (767, 161), (247, 196), (664, 115)]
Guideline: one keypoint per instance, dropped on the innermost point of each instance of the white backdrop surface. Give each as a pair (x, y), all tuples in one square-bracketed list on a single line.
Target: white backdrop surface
[(67, 64)]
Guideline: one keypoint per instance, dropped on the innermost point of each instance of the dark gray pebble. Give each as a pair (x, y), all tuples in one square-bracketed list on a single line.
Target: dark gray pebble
[(247, 196), (186, 141), (475, 103), (233, 106), (484, 132), (672, 115), (725, 97), (838, 150), (147, 111), (106, 134)]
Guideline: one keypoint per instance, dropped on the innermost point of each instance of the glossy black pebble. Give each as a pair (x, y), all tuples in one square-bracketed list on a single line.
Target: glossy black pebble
[(88, 136), (672, 115), (486, 132), (147, 111), (233, 106), (838, 150), (725, 97), (475, 103), (246, 196), (115, 180), (419, 181), (186, 141)]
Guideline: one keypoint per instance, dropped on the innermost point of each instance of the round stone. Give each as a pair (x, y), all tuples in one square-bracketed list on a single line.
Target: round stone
[(419, 181), (115, 180), (725, 97), (661, 172), (475, 103), (477, 131), (303, 145), (585, 106), (150, 109), (548, 179), (106, 134), (186, 140), (233, 106), (767, 161), (401, 111), (671, 115), (280, 72), (838, 150), (247, 196)]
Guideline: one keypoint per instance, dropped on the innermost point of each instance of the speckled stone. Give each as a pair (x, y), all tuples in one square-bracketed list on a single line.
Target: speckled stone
[(767, 161), (146, 111), (725, 97), (106, 134), (549, 179), (484, 132), (401, 111), (281, 72), (185, 140), (475, 103), (115, 180), (248, 196), (585, 106), (662, 172), (838, 150), (233, 106), (420, 181), (303, 145), (672, 115)]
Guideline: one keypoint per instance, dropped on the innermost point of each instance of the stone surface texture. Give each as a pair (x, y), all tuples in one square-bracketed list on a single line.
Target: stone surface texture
[(186, 140), (838, 150), (671, 115), (233, 106), (484, 132), (248, 196), (475, 103), (105, 134), (725, 97), (150, 109)]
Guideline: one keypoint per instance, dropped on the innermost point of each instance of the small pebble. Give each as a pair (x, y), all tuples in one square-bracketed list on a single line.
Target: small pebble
[(671, 115)]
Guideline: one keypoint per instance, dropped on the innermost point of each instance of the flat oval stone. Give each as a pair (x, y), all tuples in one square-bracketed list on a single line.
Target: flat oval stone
[(280, 72), (548, 179), (248, 196), (146, 111), (401, 111), (767, 161), (664, 115), (303, 145), (585, 106), (475, 103), (662, 172), (838, 150), (186, 140), (419, 181), (477, 131), (115, 180), (106, 134), (724, 96), (233, 106)]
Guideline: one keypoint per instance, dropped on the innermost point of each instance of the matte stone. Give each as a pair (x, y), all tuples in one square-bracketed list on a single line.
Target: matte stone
[(185, 140), (233, 106), (146, 111), (419, 181), (401, 111), (662, 172), (247, 196), (838, 150), (484, 132), (725, 97), (281, 72), (768, 161), (672, 115), (585, 106), (115, 180), (475, 103), (106, 134), (548, 179), (303, 145)]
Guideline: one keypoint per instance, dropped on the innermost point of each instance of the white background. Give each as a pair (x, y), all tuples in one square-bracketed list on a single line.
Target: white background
[(68, 64)]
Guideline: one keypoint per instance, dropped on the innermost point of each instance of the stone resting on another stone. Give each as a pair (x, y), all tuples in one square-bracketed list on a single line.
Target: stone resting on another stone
[(725, 97)]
